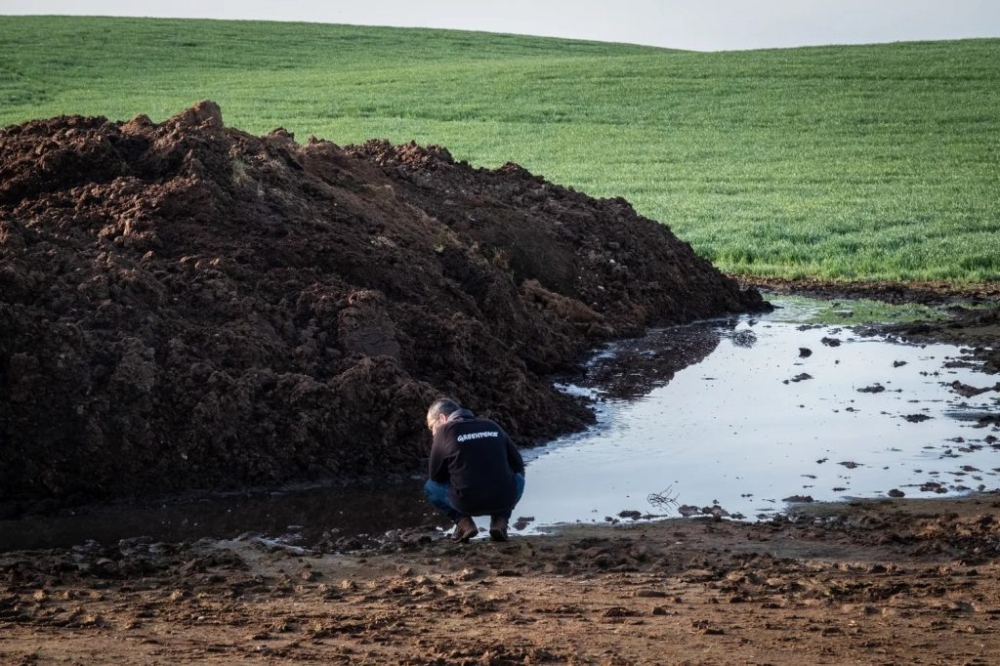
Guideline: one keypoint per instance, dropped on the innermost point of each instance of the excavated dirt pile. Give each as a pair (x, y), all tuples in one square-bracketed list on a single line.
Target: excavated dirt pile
[(183, 305)]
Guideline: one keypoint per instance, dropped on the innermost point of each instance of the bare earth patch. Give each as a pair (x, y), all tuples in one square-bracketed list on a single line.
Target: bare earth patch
[(881, 582)]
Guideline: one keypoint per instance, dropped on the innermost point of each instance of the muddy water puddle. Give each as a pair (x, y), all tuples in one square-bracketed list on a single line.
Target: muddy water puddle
[(737, 417), (775, 413)]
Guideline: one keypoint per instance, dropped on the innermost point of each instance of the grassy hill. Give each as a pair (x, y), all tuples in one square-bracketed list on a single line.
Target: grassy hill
[(837, 162)]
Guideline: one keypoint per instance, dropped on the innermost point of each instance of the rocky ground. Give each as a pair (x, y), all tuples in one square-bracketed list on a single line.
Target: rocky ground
[(880, 582)]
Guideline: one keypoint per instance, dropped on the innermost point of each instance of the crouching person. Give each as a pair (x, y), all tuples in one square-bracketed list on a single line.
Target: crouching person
[(475, 470)]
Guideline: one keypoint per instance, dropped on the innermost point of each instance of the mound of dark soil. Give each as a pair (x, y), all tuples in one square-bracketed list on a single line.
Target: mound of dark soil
[(183, 305)]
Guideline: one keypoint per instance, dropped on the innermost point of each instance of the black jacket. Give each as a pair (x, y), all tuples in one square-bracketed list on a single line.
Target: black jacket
[(479, 461)]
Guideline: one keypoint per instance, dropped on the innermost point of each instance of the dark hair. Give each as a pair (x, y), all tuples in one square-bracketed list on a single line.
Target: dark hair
[(445, 406)]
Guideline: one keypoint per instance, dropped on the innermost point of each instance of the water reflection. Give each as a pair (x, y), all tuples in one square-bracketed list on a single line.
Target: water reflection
[(776, 413), (632, 368)]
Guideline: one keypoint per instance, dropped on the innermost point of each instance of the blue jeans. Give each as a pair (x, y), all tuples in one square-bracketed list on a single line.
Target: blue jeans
[(437, 494)]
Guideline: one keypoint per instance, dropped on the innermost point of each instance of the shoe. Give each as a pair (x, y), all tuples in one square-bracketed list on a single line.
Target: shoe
[(465, 529), (498, 528)]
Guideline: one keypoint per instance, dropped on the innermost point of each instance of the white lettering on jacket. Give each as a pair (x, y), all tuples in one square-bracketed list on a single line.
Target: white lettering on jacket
[(477, 435)]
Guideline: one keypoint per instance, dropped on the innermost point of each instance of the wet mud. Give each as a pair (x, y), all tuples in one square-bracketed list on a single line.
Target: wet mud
[(183, 305), (884, 582)]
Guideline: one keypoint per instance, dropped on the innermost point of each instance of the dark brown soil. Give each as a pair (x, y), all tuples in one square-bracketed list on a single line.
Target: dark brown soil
[(183, 305), (881, 582), (929, 293)]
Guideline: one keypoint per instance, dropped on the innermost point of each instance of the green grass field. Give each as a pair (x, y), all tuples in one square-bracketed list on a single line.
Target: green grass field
[(853, 162)]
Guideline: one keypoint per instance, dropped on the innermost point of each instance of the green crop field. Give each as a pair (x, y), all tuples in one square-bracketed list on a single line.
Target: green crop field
[(850, 162)]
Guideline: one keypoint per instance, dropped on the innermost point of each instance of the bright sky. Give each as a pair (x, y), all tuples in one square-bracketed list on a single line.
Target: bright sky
[(704, 25)]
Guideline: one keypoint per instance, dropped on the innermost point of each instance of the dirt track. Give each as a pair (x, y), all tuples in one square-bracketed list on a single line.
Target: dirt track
[(884, 582), (183, 305)]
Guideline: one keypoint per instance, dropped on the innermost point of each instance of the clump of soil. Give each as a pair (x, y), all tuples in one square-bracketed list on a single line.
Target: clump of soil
[(183, 305)]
